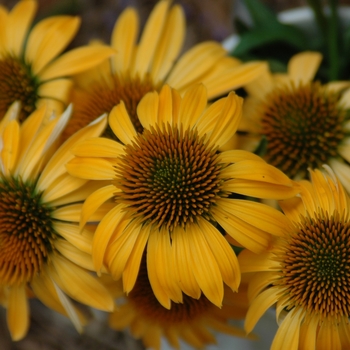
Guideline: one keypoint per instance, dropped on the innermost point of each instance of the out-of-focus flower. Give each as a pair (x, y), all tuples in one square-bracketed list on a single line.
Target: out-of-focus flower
[(42, 251), (171, 190), (140, 67), (306, 271), (305, 123), (32, 69)]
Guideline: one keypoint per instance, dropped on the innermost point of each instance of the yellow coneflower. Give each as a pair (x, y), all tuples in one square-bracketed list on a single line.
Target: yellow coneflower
[(171, 190), (305, 123), (140, 67), (31, 67), (193, 320), (306, 271), (42, 250)]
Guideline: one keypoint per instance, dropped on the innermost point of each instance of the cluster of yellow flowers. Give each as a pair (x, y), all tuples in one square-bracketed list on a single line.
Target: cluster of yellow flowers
[(129, 184)]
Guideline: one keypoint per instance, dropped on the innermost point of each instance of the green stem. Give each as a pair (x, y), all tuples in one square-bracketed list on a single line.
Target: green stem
[(321, 20), (332, 40)]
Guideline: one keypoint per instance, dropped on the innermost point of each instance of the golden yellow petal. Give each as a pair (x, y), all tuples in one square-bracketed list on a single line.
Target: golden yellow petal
[(57, 164), (259, 282), (10, 147), (3, 21), (81, 239), (94, 201), (303, 66), (261, 86), (91, 168), (244, 233), (124, 38), (70, 213), (58, 89), (228, 120), (223, 81), (259, 306), (48, 39), (18, 24), (170, 44), (18, 312), (204, 264), (223, 253), (147, 109), (184, 273), (250, 262), (234, 156), (149, 39), (308, 331), (132, 266), (257, 214), (76, 61), (342, 171), (194, 63), (344, 333), (111, 222), (165, 107), (121, 124), (81, 285), (192, 105)]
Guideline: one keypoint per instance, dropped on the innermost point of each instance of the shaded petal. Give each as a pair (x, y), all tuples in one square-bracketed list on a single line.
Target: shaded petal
[(76, 61), (328, 337), (342, 171), (124, 38), (308, 333), (259, 282), (251, 262), (18, 312), (121, 124)]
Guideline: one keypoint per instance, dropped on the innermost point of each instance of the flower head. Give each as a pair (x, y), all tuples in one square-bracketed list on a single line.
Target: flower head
[(307, 270), (144, 66), (171, 193), (41, 248), (305, 123), (31, 68), (192, 320)]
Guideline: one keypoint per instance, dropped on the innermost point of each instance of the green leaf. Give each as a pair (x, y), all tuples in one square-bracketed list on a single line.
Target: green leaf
[(261, 15)]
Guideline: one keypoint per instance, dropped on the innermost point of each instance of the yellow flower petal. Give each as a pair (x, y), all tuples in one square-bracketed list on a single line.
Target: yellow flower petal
[(48, 39), (70, 213), (81, 285), (18, 312), (250, 262), (58, 89), (147, 109), (303, 66), (124, 38), (121, 124), (76, 61), (91, 168), (308, 332), (234, 156), (10, 141)]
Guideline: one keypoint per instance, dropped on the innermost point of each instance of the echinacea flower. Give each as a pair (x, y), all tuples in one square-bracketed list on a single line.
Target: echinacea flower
[(306, 271), (144, 66), (193, 320), (42, 251), (305, 123), (171, 189), (31, 67)]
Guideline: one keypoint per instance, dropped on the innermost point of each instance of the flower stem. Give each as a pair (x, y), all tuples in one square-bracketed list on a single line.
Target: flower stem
[(333, 49)]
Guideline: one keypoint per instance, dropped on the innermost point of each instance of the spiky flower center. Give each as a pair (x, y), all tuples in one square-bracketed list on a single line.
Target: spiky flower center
[(168, 177), (142, 296), (17, 84), (316, 266), (101, 97), (26, 233), (303, 126)]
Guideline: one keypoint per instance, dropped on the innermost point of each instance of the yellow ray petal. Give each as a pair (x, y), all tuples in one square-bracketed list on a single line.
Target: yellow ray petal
[(204, 264), (259, 282), (308, 331), (18, 312), (192, 105), (194, 63), (10, 147), (91, 168), (260, 215), (124, 38), (170, 43), (3, 21), (121, 124), (76, 61), (18, 23), (234, 156), (165, 108), (303, 66), (103, 234), (81, 285), (98, 147), (48, 39), (259, 306), (150, 37), (58, 89), (80, 239), (288, 332), (70, 213), (132, 266), (250, 262), (94, 201), (223, 253), (183, 264), (147, 109)]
